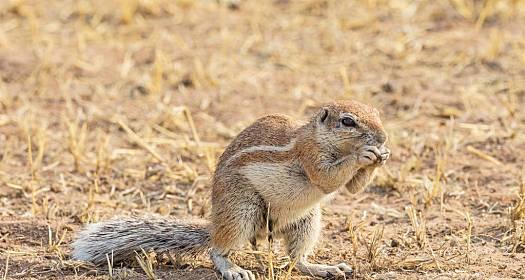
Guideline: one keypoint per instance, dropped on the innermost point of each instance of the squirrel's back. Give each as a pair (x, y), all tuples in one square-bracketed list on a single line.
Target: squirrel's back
[(271, 130)]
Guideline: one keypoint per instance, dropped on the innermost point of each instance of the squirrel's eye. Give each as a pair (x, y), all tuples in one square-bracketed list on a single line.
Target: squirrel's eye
[(349, 122)]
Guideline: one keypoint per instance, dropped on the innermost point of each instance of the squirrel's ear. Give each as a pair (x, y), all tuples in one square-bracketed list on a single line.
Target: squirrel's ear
[(322, 115)]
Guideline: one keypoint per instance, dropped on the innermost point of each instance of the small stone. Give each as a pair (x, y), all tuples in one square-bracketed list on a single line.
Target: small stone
[(387, 87), (394, 243)]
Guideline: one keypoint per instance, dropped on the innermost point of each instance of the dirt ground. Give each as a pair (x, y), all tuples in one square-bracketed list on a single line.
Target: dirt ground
[(122, 107)]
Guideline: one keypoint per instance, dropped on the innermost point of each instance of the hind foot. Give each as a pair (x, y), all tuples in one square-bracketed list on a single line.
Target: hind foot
[(229, 270), (324, 271)]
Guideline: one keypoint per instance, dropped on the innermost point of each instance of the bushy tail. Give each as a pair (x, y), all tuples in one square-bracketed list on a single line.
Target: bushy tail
[(120, 238)]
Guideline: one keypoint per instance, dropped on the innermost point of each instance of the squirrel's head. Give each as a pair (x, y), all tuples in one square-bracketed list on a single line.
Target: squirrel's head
[(348, 125)]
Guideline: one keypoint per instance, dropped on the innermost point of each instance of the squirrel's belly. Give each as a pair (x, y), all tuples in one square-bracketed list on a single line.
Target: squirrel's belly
[(283, 187)]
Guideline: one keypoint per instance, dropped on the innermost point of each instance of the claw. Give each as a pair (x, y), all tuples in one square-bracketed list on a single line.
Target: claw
[(237, 273), (385, 153)]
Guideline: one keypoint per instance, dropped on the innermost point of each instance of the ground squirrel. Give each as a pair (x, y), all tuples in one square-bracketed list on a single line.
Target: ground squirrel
[(270, 180)]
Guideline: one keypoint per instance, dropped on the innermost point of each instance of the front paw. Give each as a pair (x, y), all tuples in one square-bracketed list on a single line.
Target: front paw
[(384, 154), (373, 156), (369, 155)]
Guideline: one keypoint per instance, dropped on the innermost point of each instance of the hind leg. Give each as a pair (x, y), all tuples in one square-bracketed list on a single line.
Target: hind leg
[(301, 238), (234, 224), (255, 248)]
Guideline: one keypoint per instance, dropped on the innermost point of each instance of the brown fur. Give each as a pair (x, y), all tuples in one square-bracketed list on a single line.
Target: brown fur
[(229, 186), (368, 115), (274, 130)]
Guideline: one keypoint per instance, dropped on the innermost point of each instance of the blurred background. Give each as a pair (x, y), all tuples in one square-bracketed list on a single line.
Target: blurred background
[(121, 107)]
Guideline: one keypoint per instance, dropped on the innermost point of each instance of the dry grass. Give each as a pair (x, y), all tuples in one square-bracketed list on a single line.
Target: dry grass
[(146, 261), (418, 226), (120, 107)]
